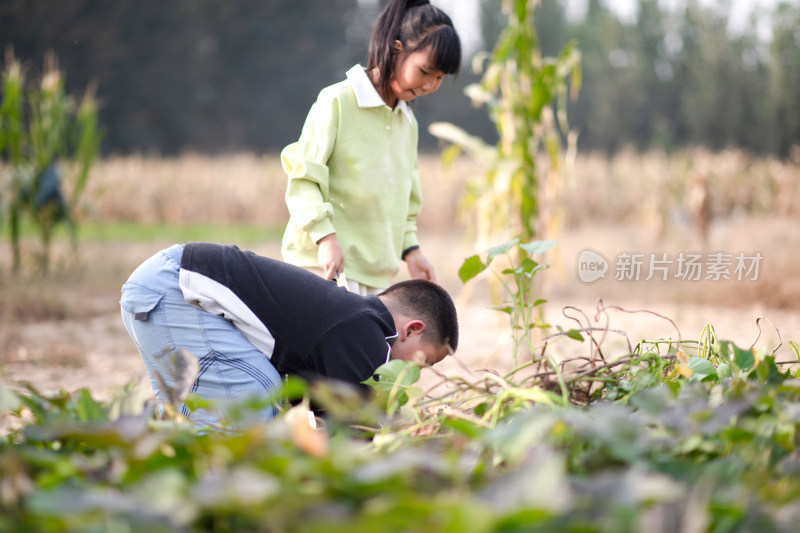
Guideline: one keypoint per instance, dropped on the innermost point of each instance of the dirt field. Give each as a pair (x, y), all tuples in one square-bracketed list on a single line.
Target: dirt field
[(66, 333)]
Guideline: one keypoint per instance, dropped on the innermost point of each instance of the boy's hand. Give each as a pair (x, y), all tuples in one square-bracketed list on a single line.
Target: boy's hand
[(419, 267), (330, 256)]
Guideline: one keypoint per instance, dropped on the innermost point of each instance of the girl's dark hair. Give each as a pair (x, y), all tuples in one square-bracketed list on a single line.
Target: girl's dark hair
[(417, 25)]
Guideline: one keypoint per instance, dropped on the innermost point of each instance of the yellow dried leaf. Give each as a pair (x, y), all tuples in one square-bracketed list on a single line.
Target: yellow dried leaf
[(306, 436), (683, 365)]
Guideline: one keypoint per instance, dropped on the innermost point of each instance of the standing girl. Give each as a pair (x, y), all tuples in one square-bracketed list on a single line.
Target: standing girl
[(353, 191)]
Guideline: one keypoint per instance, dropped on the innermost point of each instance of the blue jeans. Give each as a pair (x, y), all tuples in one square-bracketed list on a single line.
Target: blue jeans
[(160, 322)]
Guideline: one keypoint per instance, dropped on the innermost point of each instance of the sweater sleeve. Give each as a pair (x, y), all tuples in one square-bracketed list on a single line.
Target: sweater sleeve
[(351, 351), (305, 163), (414, 205)]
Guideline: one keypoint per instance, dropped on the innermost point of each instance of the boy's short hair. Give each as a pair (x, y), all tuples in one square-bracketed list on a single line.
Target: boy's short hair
[(430, 303)]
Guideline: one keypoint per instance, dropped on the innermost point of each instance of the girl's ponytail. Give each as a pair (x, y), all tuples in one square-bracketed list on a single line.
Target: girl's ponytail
[(417, 25)]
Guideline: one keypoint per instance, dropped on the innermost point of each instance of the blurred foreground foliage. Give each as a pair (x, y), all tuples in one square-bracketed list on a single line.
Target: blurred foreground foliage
[(671, 445), (667, 435)]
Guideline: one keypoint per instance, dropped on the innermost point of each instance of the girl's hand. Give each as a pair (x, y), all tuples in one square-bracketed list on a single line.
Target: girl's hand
[(419, 267), (330, 256)]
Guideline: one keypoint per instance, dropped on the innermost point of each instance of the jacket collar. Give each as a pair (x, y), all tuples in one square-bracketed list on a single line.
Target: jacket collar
[(367, 95)]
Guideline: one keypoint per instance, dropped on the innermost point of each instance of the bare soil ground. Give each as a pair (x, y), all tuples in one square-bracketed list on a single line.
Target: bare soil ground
[(65, 332)]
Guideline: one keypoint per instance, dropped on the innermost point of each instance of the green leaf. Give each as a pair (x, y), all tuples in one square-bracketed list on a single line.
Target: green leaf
[(500, 249), (651, 401), (538, 247), (450, 154), (525, 519), (744, 359), (471, 267), (9, 401), (574, 334), (481, 408), (529, 266), (737, 435), (701, 368), (393, 370), (88, 409), (542, 92), (294, 388), (470, 429), (724, 371), (508, 309), (795, 349), (395, 384), (194, 402), (768, 371)]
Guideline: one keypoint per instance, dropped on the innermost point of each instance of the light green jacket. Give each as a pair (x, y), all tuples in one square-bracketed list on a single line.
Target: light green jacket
[(354, 173)]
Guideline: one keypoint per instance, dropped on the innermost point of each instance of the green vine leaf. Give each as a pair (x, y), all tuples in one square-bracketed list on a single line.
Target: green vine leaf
[(539, 247), (471, 267)]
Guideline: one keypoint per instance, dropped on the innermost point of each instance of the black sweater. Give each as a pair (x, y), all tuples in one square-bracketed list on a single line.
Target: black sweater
[(319, 329)]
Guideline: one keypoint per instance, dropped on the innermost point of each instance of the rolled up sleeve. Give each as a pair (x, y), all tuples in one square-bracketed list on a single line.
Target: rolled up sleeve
[(305, 164)]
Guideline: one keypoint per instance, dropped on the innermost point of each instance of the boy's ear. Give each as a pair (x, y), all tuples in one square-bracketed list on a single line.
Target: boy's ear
[(415, 326), (397, 47)]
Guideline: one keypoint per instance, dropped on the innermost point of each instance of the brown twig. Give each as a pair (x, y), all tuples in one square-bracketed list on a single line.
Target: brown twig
[(777, 332)]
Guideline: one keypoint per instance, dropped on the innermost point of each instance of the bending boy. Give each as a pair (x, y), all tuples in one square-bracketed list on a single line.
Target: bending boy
[(250, 319)]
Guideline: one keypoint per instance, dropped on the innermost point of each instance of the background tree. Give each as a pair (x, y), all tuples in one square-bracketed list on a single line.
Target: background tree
[(231, 76), (784, 77)]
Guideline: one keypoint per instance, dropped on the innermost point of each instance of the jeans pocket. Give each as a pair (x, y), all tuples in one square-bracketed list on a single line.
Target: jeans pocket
[(145, 321), (139, 300)]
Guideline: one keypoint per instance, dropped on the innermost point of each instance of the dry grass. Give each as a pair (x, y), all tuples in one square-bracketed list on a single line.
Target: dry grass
[(193, 188), (634, 201), (631, 200), (244, 188), (652, 187), (238, 189)]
